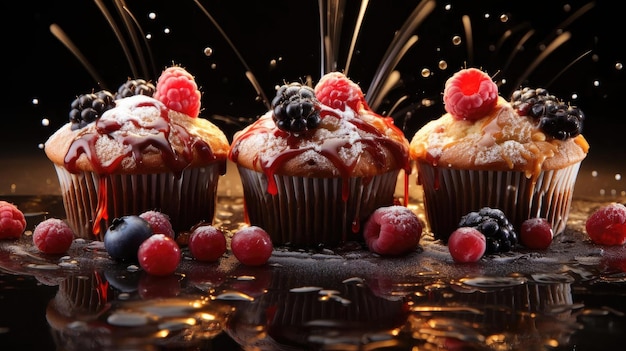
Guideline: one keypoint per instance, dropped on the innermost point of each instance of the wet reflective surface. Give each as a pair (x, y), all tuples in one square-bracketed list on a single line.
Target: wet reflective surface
[(569, 297)]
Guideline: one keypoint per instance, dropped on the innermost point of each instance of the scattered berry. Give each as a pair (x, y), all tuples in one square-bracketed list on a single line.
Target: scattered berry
[(607, 225), (252, 246), (470, 94), (467, 244), (556, 119), (392, 230), (87, 108), (134, 87), (536, 233), (494, 225), (336, 90), (295, 108), (12, 221), (124, 236), (207, 243), (159, 255), (53, 236), (159, 222), (177, 89)]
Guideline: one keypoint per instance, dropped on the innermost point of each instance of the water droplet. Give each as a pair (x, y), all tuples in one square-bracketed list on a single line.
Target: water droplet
[(166, 30), (425, 72), (596, 83), (448, 7), (213, 66), (148, 36), (602, 192), (456, 40), (594, 173), (208, 51), (35, 101), (40, 146), (567, 7), (443, 65), (618, 66), (152, 15), (574, 96), (487, 15), (618, 176), (45, 122), (504, 18)]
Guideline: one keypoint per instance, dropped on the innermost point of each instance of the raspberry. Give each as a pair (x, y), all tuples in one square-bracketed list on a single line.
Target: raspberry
[(207, 243), (470, 94), (336, 90), (53, 236), (159, 255), (159, 222), (177, 89), (607, 225), (12, 221), (392, 230), (467, 244), (536, 233), (252, 246)]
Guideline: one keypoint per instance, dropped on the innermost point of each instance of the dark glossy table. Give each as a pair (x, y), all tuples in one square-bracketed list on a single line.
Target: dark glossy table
[(569, 297)]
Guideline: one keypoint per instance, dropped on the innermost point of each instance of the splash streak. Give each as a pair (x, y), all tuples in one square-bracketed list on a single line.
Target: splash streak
[(119, 36), (558, 41), (469, 38), (249, 73), (355, 35), (65, 40), (397, 48)]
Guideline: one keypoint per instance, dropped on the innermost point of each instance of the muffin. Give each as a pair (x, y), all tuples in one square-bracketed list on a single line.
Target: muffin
[(142, 149), (520, 156), (318, 164)]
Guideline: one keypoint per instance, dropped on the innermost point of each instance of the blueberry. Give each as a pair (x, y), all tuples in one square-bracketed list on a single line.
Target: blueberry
[(123, 238)]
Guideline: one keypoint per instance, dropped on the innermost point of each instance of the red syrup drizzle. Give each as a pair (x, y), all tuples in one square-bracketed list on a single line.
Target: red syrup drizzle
[(85, 143), (330, 149)]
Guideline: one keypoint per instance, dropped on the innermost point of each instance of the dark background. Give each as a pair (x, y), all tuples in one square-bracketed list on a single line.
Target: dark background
[(37, 65)]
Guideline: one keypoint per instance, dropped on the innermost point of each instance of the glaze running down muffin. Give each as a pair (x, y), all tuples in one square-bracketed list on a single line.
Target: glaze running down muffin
[(142, 152), (317, 165), (521, 156)]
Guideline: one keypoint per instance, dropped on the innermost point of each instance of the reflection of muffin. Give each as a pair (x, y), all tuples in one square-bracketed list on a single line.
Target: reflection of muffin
[(511, 312), (327, 311), (521, 157), (139, 153), (319, 164)]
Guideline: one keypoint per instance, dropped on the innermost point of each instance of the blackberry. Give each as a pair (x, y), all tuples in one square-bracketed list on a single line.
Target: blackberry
[(295, 108), (135, 87), (555, 118), (492, 222), (87, 108)]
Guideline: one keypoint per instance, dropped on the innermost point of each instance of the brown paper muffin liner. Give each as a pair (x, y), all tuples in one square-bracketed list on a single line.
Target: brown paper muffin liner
[(451, 193), (311, 211), (188, 198)]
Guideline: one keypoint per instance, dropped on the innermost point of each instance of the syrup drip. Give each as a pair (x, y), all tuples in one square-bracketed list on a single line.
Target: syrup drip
[(136, 145), (329, 149)]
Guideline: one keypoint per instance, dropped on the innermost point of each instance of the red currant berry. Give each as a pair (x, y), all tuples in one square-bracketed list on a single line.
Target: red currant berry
[(536, 233), (467, 244), (53, 236), (159, 255), (607, 225), (159, 222), (252, 246), (392, 230), (207, 243)]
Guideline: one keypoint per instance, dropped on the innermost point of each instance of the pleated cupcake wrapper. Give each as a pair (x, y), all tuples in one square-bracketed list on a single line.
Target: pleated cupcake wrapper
[(449, 194), (310, 211), (80, 295), (188, 198)]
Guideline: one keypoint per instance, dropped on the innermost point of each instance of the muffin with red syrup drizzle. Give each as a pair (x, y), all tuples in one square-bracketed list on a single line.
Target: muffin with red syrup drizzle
[(143, 148), (318, 164), (521, 155)]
